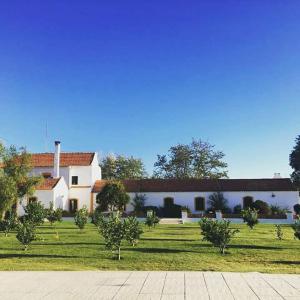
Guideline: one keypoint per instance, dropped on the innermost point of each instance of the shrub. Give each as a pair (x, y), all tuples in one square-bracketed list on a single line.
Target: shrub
[(35, 213), (277, 210), (151, 220), (297, 209), (250, 216), (217, 201), (296, 228), (217, 232), (113, 232), (279, 232), (261, 206), (138, 202), (9, 223), (54, 215), (26, 234), (81, 217), (97, 217), (237, 209), (133, 230)]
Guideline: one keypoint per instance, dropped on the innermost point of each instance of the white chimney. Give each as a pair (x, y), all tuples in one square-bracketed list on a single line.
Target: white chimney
[(56, 159), (277, 176)]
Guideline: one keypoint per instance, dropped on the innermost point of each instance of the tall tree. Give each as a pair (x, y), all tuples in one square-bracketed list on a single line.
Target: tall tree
[(120, 167), (295, 162), (15, 180), (195, 160)]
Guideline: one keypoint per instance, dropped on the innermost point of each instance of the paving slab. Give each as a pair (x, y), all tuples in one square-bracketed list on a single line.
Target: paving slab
[(146, 285)]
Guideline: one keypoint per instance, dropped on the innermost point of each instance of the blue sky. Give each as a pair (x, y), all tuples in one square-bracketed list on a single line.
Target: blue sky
[(135, 77)]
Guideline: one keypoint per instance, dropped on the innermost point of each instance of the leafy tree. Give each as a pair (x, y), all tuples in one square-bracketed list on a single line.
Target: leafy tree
[(151, 220), (120, 167), (217, 201), (9, 222), (217, 232), (297, 209), (113, 232), (53, 215), (133, 230), (279, 232), (112, 197), (81, 217), (295, 162), (35, 213), (195, 160), (138, 202), (296, 228), (250, 216), (26, 234), (15, 181), (277, 210), (261, 206), (237, 209), (97, 217)]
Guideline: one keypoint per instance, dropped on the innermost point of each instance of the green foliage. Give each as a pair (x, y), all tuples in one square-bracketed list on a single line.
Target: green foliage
[(113, 197), (81, 217), (217, 232), (297, 209), (295, 162), (195, 160), (133, 230), (277, 210), (237, 209), (35, 213), (151, 220), (138, 202), (97, 217), (15, 181), (9, 223), (54, 215), (26, 234), (261, 206), (296, 228), (279, 232), (217, 201), (120, 167), (250, 216), (113, 232)]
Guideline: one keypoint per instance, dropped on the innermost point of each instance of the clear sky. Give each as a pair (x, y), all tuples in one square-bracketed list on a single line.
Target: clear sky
[(136, 77)]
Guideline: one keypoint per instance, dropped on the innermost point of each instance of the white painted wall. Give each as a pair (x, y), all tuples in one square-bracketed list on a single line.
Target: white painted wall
[(61, 194), (282, 199), (83, 195)]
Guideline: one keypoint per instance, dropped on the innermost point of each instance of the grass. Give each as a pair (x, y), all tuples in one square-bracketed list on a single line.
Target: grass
[(167, 247)]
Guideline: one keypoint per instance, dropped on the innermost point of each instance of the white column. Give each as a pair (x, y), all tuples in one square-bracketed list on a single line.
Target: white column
[(56, 159), (219, 215)]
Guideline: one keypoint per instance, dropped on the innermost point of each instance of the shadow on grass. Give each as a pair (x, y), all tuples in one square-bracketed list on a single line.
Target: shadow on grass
[(255, 247), (159, 250), (167, 240), (31, 255), (285, 262), (68, 244)]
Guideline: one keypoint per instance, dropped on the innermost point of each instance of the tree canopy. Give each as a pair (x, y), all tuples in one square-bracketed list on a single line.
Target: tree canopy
[(120, 167), (295, 162), (195, 160), (15, 181)]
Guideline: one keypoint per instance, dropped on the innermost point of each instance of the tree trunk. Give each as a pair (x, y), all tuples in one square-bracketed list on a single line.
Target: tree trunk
[(119, 253)]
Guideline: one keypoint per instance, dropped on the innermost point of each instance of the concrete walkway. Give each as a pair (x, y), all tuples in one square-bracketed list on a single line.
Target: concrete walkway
[(147, 285)]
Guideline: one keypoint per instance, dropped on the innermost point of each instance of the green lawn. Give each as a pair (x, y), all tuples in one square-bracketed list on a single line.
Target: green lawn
[(168, 247)]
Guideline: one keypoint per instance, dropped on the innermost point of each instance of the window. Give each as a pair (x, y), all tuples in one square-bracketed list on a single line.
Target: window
[(247, 201), (199, 203), (73, 205), (32, 200), (168, 202), (46, 175), (74, 180)]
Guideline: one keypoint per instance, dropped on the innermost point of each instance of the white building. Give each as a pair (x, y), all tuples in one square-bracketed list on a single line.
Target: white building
[(73, 179)]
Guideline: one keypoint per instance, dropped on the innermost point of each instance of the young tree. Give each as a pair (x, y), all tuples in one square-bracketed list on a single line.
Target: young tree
[(217, 232), (295, 162), (250, 216), (296, 228), (151, 220), (15, 181), (81, 217), (138, 202), (217, 201), (8, 223), (195, 160), (35, 213), (53, 215), (26, 234), (120, 167), (279, 232), (133, 230), (113, 197)]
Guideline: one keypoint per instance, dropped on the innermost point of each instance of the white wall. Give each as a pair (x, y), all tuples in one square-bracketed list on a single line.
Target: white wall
[(283, 199), (83, 195), (61, 194)]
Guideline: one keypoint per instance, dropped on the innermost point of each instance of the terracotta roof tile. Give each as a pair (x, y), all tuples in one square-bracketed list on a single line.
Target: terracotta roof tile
[(66, 159), (48, 184), (202, 185)]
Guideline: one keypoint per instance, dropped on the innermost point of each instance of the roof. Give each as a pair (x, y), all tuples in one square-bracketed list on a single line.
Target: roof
[(202, 185), (66, 159), (48, 184)]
